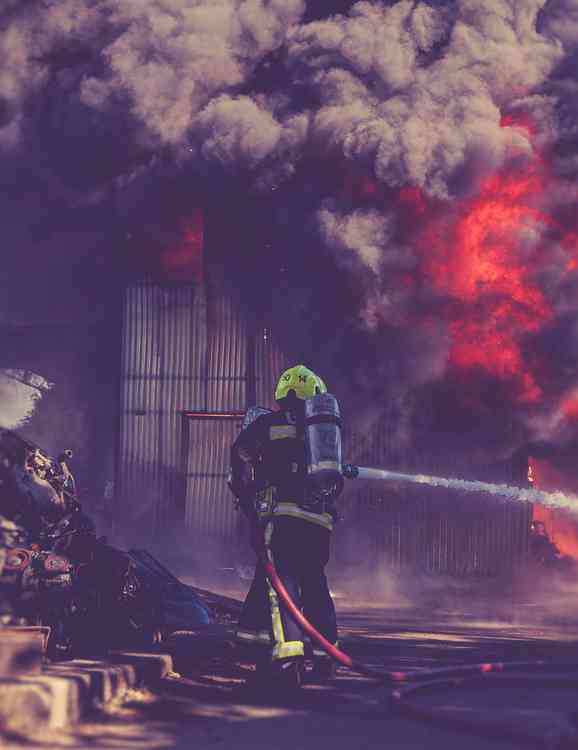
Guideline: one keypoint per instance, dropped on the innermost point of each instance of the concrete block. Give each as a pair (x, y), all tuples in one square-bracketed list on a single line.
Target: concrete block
[(149, 667), (66, 691), (104, 682), (42, 632), (20, 652), (33, 703)]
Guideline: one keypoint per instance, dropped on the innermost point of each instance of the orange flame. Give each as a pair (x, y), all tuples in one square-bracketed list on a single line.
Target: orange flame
[(475, 259), (562, 528), (569, 407), (484, 254), (570, 244), (521, 121)]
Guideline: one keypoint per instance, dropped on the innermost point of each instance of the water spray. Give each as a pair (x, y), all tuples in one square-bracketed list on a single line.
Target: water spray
[(326, 472), (524, 495)]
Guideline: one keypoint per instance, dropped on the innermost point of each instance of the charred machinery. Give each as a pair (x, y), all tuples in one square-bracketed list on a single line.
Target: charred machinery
[(56, 571)]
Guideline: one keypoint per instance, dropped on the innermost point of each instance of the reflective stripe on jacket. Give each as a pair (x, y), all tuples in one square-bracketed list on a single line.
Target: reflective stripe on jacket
[(293, 510)]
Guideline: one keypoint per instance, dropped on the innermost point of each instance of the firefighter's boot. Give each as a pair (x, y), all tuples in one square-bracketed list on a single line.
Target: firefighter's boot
[(324, 670), (287, 675)]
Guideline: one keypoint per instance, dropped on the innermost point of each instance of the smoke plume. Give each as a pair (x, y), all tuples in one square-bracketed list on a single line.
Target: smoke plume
[(19, 394), (403, 170)]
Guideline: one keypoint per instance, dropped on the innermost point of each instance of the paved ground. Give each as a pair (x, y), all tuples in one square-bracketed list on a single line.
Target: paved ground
[(210, 718), (215, 709)]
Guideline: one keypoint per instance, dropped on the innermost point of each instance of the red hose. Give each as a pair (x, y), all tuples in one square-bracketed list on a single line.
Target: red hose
[(458, 670), (302, 621), (315, 635)]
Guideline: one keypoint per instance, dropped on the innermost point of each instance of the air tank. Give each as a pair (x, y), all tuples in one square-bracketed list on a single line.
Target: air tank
[(323, 444)]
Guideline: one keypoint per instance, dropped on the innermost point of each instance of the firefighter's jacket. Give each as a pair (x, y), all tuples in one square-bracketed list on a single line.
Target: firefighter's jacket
[(269, 471)]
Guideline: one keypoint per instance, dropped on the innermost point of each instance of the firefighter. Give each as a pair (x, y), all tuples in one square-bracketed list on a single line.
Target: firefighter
[(293, 518)]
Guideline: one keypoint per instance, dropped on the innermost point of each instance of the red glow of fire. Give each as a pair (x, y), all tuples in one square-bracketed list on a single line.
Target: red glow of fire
[(570, 244), (358, 186), (414, 199), (569, 407), (475, 259), (184, 261), (367, 187), (474, 254), (521, 121), (561, 526), (408, 281)]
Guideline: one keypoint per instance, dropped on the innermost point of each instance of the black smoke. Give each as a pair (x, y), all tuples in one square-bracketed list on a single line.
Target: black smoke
[(117, 121)]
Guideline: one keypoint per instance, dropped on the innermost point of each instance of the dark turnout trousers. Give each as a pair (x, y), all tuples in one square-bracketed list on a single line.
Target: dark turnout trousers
[(300, 552)]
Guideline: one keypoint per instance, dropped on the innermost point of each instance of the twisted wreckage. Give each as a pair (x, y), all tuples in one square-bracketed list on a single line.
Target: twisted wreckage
[(56, 571)]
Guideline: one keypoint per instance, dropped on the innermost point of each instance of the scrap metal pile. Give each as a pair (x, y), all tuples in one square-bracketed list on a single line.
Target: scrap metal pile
[(56, 571)]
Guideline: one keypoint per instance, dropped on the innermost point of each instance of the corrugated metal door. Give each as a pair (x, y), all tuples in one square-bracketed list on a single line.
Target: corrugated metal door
[(163, 371), (185, 348), (209, 504)]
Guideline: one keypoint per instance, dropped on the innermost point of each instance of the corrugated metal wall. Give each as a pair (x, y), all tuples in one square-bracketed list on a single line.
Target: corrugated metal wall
[(270, 362), (185, 348), (163, 371), (188, 348), (430, 529)]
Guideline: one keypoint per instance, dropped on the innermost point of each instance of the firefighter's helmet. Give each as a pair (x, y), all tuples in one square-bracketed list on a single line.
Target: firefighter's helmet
[(300, 379)]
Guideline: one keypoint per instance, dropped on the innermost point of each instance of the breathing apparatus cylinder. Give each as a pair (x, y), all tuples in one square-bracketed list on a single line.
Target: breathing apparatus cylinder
[(323, 445)]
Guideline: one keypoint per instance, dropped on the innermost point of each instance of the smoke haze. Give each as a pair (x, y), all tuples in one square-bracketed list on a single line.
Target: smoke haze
[(409, 169), (18, 398)]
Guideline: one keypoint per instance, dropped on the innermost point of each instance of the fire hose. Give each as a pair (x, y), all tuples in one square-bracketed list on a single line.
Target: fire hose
[(326, 470), (347, 661), (295, 613), (384, 676), (404, 686)]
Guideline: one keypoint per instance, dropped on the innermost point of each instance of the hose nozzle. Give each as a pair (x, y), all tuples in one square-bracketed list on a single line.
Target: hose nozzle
[(350, 471)]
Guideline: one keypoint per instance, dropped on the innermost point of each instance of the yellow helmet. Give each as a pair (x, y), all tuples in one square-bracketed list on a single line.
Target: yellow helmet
[(300, 379)]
